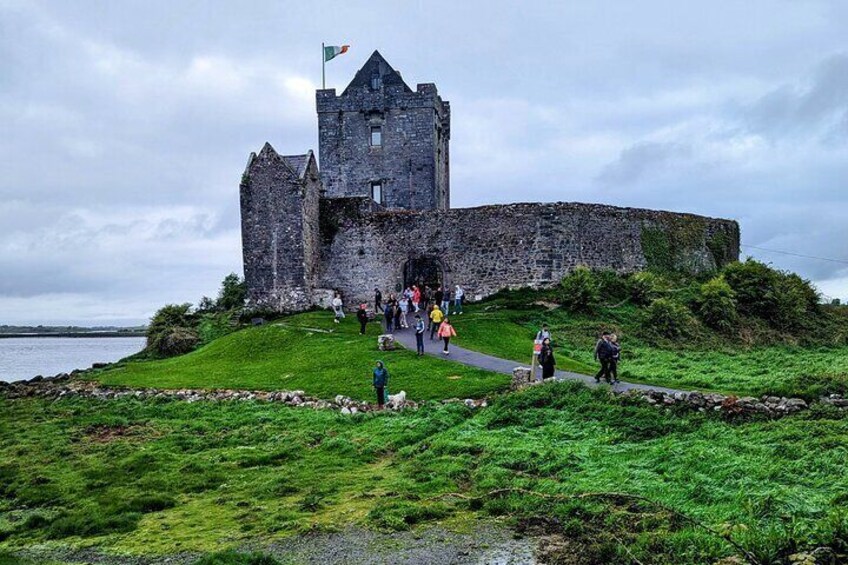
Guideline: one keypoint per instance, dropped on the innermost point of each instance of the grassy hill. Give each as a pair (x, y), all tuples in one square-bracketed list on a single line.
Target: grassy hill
[(505, 326), (307, 352)]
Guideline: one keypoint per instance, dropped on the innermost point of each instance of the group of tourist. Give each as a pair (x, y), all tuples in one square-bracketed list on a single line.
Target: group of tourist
[(435, 308)]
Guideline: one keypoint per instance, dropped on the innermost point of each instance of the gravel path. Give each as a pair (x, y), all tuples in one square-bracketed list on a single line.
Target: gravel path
[(490, 363)]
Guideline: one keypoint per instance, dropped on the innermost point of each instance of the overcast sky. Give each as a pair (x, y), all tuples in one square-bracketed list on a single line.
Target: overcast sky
[(126, 125)]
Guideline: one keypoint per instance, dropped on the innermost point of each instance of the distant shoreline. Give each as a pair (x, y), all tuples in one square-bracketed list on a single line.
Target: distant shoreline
[(73, 334)]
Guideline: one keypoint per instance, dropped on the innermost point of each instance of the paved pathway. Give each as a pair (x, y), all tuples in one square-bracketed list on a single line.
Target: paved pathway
[(498, 365)]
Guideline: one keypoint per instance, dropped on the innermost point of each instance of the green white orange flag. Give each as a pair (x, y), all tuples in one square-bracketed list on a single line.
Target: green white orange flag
[(333, 51)]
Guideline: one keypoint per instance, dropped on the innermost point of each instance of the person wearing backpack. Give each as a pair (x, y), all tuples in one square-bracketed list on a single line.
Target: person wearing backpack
[(419, 335), (446, 332)]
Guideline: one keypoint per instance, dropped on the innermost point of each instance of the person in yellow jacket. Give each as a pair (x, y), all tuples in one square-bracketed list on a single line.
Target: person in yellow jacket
[(446, 332), (436, 317)]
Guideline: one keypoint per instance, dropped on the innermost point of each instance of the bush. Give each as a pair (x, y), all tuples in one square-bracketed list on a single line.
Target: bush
[(669, 319), (784, 300), (717, 304), (645, 287), (235, 558), (579, 290), (612, 286), (176, 341), (214, 325)]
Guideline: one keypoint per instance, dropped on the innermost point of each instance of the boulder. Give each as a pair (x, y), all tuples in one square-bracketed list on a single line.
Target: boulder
[(386, 342)]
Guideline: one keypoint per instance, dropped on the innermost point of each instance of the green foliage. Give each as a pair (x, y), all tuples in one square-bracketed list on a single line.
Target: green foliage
[(232, 557), (645, 287), (717, 305), (214, 325), (171, 331), (719, 246), (233, 293), (579, 290), (671, 247), (612, 286), (668, 319), (784, 300)]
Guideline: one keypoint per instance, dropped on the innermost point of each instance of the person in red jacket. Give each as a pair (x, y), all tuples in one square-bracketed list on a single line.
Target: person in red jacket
[(446, 332)]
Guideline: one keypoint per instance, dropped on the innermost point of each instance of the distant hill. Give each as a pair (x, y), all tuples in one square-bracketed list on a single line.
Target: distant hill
[(8, 331)]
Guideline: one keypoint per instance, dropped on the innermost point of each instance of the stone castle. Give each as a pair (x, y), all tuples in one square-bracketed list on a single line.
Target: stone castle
[(377, 214)]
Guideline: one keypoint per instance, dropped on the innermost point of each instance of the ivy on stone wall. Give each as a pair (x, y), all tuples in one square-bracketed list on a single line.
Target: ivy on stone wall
[(673, 245), (719, 245)]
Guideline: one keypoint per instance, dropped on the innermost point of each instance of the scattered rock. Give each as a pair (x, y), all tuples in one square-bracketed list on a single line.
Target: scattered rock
[(386, 342), (521, 378)]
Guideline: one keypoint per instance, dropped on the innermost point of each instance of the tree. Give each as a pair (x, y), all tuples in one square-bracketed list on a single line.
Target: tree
[(233, 292)]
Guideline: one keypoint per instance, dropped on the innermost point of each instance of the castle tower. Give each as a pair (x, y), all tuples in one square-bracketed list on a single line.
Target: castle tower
[(279, 229), (381, 139)]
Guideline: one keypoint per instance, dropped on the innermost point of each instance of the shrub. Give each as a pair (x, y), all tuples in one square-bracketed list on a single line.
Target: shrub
[(579, 290), (667, 318), (214, 325), (612, 286), (236, 558), (717, 304), (164, 323), (784, 300), (645, 287), (176, 341)]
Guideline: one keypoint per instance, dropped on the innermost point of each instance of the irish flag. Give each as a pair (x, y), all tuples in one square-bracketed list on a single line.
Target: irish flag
[(333, 51)]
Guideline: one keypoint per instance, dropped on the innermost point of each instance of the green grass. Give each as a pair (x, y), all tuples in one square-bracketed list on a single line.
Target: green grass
[(307, 352), (210, 477), (706, 362)]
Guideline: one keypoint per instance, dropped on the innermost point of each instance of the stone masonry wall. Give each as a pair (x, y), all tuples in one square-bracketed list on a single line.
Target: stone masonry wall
[(411, 163), (280, 242), (489, 248)]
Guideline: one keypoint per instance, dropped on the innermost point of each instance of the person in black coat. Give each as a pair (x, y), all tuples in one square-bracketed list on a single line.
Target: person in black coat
[(378, 300), (604, 353), (546, 359), (362, 316)]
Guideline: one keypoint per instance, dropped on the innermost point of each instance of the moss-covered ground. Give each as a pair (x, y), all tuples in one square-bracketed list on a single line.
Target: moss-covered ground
[(157, 478)]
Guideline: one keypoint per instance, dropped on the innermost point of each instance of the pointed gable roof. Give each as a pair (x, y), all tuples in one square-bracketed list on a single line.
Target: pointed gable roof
[(268, 156), (376, 65), (297, 163)]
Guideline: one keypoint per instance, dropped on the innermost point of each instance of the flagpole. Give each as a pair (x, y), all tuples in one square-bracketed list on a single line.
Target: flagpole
[(323, 65)]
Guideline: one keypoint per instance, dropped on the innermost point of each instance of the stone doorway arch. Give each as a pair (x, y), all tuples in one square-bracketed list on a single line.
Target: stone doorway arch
[(424, 270)]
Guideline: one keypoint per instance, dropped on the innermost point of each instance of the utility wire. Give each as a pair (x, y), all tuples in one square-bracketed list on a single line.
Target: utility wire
[(843, 261)]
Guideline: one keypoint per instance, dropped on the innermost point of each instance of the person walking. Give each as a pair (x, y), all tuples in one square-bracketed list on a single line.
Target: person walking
[(603, 354), (416, 298), (419, 334), (437, 298), (362, 316), (436, 317), (397, 314), (380, 382), (446, 332), (445, 302), (546, 359), (544, 333), (338, 308), (458, 295), (404, 310), (616, 355), (378, 301)]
